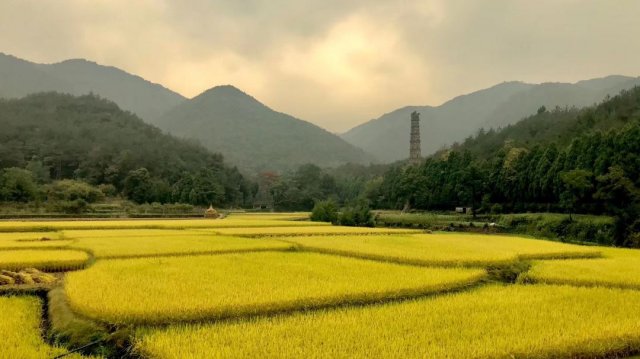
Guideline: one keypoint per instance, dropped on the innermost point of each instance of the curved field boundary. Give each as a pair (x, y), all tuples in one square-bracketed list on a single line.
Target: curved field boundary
[(44, 259), (490, 322), (271, 283)]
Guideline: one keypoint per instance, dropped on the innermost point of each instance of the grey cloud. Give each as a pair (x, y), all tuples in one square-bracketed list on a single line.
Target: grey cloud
[(335, 63)]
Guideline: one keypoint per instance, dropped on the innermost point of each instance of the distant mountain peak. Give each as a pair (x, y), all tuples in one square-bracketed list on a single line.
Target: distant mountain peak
[(226, 90), (78, 61), (81, 76), (228, 95)]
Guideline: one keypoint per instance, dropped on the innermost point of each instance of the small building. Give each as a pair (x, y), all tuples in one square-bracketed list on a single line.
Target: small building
[(211, 213), (463, 210)]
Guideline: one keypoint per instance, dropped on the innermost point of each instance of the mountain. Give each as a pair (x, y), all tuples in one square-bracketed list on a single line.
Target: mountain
[(79, 77), (387, 137), (91, 139), (253, 136)]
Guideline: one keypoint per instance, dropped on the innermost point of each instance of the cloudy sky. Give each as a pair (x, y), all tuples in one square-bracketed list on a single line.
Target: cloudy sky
[(336, 63)]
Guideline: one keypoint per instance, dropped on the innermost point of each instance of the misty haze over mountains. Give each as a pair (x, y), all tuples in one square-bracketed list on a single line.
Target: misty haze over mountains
[(80, 77), (387, 137), (255, 137)]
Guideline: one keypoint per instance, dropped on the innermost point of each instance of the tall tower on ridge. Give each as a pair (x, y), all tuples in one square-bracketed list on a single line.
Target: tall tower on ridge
[(414, 145)]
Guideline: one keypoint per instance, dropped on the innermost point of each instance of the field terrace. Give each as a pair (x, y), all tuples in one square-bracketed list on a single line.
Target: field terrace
[(286, 287)]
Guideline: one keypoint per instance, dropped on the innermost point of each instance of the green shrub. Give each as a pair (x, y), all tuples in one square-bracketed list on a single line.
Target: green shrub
[(325, 211), (71, 190), (359, 215)]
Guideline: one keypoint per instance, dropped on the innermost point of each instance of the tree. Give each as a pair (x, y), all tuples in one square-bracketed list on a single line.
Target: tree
[(17, 185), (138, 186), (577, 183), (621, 197)]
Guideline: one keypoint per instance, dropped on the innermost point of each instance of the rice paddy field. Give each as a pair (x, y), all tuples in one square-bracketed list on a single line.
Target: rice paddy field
[(178, 244), (445, 249), (493, 322), (20, 327), (32, 240), (232, 221), (43, 259), (618, 268), (235, 285), (307, 231), (279, 286)]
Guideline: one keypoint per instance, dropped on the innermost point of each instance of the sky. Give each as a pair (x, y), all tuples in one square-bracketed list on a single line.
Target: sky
[(336, 63)]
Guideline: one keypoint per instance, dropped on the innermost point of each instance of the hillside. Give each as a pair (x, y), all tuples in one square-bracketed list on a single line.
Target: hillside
[(253, 136), (19, 78), (88, 138), (387, 137), (557, 126)]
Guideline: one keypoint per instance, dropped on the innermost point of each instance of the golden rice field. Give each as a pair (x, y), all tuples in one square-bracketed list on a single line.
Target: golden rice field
[(43, 226), (535, 321), (306, 231), (18, 240), (227, 286), (133, 245), (43, 259), (444, 249), (20, 330), (275, 285), (281, 216), (619, 268)]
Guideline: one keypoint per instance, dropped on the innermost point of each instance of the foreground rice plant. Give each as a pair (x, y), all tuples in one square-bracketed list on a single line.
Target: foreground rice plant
[(163, 290), (40, 226), (20, 330), (444, 249), (492, 322), (134, 245), (42, 259), (619, 268), (307, 231), (32, 240)]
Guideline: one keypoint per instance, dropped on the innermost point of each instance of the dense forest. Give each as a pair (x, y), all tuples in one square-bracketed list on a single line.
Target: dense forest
[(51, 141)]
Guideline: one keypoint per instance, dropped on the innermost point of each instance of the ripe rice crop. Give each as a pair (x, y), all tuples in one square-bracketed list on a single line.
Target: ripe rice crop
[(105, 233), (163, 290), (145, 246), (42, 259), (293, 216), (444, 249), (31, 240), (20, 330), (307, 231), (619, 268), (536, 321), (41, 226)]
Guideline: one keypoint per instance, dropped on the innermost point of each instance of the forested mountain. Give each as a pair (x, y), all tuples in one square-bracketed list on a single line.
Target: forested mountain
[(253, 136), (57, 136), (19, 78), (585, 161), (387, 137)]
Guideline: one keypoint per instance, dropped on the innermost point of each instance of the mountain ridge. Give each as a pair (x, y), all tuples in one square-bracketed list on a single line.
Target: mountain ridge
[(387, 136), (79, 77), (250, 134)]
